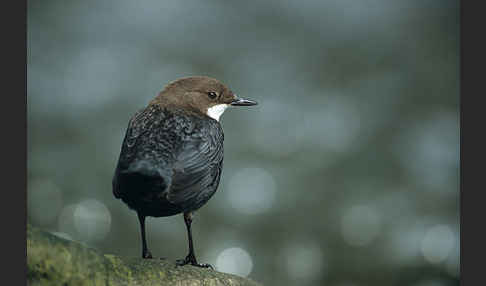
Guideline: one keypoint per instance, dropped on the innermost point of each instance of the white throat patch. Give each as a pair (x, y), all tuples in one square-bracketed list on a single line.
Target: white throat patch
[(216, 111)]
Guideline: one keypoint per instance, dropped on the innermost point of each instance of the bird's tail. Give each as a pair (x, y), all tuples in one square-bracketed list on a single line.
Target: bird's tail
[(142, 177)]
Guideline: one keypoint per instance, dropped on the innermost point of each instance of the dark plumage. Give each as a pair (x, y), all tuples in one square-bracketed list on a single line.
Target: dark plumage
[(172, 154), (170, 161)]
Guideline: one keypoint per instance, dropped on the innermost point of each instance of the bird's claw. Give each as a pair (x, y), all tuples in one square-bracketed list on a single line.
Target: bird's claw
[(206, 265), (193, 262)]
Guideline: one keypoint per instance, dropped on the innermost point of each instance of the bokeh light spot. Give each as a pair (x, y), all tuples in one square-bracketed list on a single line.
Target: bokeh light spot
[(251, 191), (92, 220), (234, 260), (404, 242), (437, 243)]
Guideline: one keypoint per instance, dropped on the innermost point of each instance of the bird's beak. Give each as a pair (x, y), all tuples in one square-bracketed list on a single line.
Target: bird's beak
[(242, 102)]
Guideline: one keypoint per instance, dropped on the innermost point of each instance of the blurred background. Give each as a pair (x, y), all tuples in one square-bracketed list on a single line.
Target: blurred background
[(345, 174)]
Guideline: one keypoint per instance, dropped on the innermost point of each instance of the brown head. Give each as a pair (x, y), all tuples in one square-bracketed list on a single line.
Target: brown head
[(200, 94)]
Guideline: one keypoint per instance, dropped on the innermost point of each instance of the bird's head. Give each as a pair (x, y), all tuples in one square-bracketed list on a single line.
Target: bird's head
[(200, 94)]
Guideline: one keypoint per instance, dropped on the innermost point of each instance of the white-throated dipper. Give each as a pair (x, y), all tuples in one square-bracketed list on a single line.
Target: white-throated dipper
[(172, 154)]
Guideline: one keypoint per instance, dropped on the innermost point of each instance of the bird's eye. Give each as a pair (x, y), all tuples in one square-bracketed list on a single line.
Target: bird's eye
[(212, 94)]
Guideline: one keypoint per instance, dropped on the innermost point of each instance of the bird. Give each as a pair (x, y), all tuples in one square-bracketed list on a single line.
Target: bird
[(171, 158)]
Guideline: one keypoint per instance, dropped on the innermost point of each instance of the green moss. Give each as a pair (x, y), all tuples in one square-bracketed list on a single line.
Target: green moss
[(52, 260)]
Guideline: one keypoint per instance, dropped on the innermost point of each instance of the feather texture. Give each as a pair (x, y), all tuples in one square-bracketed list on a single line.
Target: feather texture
[(170, 161)]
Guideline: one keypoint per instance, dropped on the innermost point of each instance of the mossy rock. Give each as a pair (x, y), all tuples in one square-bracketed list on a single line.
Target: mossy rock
[(52, 260)]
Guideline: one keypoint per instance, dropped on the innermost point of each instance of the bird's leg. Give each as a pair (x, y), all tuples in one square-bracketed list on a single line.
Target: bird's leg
[(190, 258), (145, 252)]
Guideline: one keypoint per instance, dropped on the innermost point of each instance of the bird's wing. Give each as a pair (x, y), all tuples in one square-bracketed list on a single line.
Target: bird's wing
[(198, 164), (146, 154)]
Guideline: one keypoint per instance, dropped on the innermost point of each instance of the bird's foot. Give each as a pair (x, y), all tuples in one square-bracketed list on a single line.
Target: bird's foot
[(146, 254), (190, 259)]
